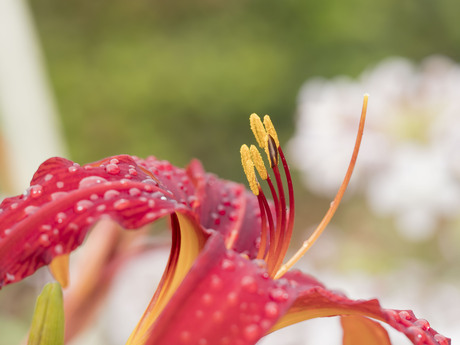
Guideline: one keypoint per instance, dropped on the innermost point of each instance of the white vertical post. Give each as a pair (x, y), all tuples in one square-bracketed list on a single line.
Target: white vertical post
[(29, 125)]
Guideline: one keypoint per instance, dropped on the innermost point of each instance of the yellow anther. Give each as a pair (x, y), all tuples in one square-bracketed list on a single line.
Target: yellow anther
[(248, 167), (271, 130), (258, 129), (258, 162)]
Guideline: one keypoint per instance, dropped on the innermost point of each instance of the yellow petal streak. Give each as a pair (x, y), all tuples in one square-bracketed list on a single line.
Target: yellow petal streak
[(192, 241), (59, 268)]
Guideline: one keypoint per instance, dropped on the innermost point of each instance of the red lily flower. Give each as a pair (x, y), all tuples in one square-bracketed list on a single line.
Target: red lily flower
[(225, 282)]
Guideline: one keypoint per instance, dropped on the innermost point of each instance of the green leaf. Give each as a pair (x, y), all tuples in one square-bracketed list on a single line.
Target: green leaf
[(48, 320)]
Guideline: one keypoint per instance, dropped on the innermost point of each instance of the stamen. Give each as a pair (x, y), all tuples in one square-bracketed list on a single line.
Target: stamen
[(334, 204), (258, 129), (271, 129), (258, 162), (272, 151), (248, 167)]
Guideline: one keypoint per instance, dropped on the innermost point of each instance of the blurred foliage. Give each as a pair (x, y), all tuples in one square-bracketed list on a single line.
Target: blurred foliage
[(178, 79)]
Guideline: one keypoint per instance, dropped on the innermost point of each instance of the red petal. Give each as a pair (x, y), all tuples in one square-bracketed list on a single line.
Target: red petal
[(53, 216), (316, 301), (224, 299), (223, 206)]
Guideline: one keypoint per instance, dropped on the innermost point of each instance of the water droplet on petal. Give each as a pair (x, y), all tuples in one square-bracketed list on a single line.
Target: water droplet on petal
[(228, 265), (91, 181), (271, 309), (252, 332), (442, 340), (30, 209), (60, 184), (48, 177), (423, 324), (58, 195), (112, 169), (121, 204), (110, 194), (82, 206), (134, 191), (59, 249), (279, 295), (35, 191), (60, 217), (216, 282), (207, 299), (44, 239), (249, 284)]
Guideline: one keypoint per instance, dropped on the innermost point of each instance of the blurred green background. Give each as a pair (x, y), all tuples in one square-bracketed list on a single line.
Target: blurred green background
[(178, 79)]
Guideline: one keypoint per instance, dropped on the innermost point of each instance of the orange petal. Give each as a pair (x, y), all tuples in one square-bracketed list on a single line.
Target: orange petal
[(359, 330), (59, 268)]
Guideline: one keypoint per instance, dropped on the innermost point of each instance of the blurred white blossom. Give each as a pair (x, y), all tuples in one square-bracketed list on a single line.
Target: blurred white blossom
[(409, 163)]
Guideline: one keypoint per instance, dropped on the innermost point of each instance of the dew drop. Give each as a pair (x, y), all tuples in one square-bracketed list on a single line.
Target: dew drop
[(44, 239), (58, 195), (35, 191), (199, 313), (207, 299), (101, 208), (271, 309), (132, 172), (228, 265), (217, 316), (202, 341), (9, 277), (232, 298), (71, 169), (60, 184), (404, 315), (249, 284), (60, 217), (30, 210), (91, 181), (279, 295), (442, 340), (59, 249), (422, 324), (14, 206), (112, 169), (121, 204), (48, 177), (251, 332), (82, 206), (134, 191), (185, 336), (216, 282), (111, 194), (114, 161), (45, 227)]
